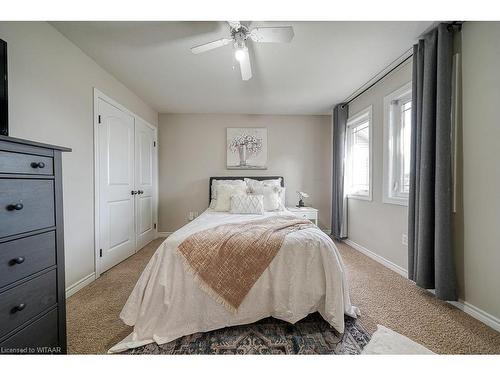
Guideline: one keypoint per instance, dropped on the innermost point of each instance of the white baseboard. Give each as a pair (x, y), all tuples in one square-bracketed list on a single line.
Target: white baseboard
[(398, 269), (163, 234), (80, 284), (476, 312)]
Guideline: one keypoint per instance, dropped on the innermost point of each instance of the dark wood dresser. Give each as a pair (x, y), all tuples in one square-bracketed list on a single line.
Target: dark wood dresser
[(32, 288)]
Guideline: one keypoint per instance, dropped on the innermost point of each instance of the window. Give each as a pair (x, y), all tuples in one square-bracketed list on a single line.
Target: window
[(397, 144), (358, 156)]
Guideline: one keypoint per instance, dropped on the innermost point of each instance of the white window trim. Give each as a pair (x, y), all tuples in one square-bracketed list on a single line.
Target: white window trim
[(352, 121), (387, 168)]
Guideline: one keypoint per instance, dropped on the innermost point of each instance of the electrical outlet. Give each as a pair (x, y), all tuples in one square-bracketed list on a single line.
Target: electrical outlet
[(404, 239)]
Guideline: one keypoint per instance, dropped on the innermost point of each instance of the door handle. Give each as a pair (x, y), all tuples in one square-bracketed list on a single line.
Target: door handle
[(40, 164), (17, 308), (15, 206), (134, 192), (140, 191), (17, 260)]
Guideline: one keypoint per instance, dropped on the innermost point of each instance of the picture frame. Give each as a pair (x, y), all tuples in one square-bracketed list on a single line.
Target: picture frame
[(246, 148)]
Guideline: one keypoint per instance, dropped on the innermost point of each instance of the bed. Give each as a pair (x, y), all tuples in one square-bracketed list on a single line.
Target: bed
[(305, 276)]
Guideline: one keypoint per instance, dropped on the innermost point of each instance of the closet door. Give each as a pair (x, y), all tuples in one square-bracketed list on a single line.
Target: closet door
[(145, 144), (116, 179)]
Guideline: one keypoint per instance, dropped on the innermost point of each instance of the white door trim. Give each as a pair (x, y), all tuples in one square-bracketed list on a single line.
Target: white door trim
[(100, 95)]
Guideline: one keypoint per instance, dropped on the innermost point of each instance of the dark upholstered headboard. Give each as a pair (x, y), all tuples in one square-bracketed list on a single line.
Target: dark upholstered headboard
[(259, 178)]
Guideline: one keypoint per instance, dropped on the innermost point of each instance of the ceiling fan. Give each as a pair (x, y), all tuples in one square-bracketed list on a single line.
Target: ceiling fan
[(240, 35)]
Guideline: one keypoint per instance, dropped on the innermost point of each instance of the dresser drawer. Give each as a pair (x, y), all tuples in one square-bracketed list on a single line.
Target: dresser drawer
[(23, 302), (13, 162), (23, 257), (26, 205), (40, 334)]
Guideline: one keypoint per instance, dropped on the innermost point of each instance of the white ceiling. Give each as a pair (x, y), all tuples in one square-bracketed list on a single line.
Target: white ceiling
[(325, 63)]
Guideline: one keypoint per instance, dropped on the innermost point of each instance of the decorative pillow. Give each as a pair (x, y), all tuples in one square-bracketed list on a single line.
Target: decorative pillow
[(224, 193), (215, 183), (274, 194), (272, 197), (254, 185), (247, 204), (283, 198)]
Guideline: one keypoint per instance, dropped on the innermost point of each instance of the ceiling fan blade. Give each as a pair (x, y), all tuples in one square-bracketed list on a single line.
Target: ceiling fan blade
[(245, 66), (280, 34), (211, 45), (234, 24)]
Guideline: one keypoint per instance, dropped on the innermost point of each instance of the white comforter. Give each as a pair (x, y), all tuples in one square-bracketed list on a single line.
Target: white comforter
[(307, 275)]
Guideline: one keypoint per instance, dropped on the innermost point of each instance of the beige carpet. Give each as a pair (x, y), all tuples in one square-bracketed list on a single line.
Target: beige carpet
[(383, 296)]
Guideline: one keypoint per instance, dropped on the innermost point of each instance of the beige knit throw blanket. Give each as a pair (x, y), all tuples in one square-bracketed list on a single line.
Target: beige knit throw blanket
[(228, 259)]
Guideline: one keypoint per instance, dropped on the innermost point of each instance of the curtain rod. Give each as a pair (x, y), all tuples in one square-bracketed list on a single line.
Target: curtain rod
[(349, 100)]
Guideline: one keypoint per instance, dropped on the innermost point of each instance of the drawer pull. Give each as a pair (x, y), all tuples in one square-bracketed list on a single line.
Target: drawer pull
[(15, 206), (39, 164), (19, 307), (17, 260)]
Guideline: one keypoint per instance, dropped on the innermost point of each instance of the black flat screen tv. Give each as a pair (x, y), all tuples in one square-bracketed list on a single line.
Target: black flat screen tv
[(4, 102)]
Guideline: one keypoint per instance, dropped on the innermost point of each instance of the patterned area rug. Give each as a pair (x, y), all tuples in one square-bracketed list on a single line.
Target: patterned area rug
[(311, 335)]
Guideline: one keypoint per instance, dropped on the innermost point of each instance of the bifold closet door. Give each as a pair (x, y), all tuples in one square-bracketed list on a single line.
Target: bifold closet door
[(116, 179), (144, 182)]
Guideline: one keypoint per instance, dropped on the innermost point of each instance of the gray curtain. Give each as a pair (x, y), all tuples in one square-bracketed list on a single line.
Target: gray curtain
[(339, 202), (430, 253)]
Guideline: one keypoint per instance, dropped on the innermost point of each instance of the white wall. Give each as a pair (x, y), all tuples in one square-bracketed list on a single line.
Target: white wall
[(51, 100), (378, 226), (481, 165), (375, 225), (193, 147)]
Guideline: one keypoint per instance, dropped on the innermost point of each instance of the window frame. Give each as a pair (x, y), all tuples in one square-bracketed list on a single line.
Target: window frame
[(392, 137), (352, 122)]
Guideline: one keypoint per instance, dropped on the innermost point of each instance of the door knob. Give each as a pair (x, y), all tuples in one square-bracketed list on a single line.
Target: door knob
[(140, 191), (133, 192)]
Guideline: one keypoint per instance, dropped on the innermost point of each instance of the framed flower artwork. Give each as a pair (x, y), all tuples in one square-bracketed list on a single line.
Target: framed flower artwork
[(246, 148)]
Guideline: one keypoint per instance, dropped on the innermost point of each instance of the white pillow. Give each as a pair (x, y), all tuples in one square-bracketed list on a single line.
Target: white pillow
[(247, 204), (254, 185), (283, 198), (215, 183), (274, 194), (272, 197), (224, 193)]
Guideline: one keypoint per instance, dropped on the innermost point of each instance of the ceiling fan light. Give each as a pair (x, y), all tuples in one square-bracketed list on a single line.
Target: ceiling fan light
[(239, 54)]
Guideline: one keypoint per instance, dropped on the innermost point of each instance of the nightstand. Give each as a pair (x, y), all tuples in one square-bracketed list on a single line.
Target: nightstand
[(305, 213)]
